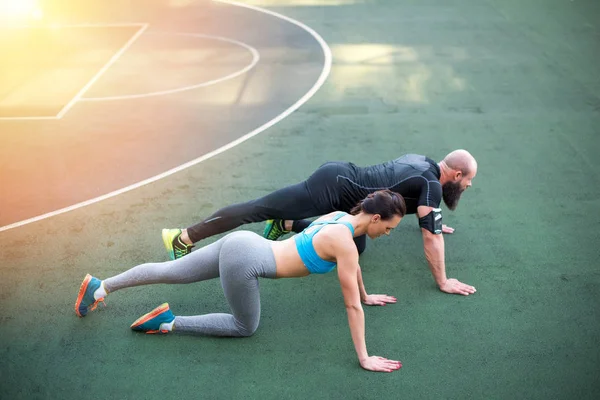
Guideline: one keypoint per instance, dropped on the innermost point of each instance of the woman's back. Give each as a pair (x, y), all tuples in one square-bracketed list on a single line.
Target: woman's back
[(321, 238)]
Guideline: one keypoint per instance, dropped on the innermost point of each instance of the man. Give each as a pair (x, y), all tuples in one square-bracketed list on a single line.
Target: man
[(338, 186)]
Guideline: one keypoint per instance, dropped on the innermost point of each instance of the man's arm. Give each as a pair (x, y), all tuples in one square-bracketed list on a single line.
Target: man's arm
[(433, 246), (445, 228)]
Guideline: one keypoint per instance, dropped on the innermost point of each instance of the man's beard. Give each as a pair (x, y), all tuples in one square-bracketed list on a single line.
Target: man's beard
[(451, 192)]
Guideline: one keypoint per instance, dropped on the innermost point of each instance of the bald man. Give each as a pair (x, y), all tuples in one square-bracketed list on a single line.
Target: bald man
[(339, 186)]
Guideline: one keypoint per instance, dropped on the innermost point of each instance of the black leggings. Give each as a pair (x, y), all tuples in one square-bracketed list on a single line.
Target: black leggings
[(319, 194)]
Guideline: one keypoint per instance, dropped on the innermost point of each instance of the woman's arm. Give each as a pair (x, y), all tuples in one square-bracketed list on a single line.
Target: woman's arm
[(348, 267), (372, 299), (347, 273), (361, 285)]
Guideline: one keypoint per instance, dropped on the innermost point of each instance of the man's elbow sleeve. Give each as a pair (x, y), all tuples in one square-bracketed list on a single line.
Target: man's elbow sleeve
[(432, 222)]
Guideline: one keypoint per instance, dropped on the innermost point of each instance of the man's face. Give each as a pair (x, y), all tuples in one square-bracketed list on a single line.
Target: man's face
[(451, 191)]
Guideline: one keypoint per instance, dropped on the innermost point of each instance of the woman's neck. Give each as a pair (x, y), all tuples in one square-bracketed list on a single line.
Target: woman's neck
[(360, 222)]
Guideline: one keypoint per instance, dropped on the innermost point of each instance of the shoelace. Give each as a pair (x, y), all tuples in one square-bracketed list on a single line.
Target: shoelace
[(95, 304), (277, 230), (179, 252), (181, 249)]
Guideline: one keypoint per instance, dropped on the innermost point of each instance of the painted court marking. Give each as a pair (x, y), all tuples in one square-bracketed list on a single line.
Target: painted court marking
[(79, 96), (320, 81), (252, 50), (111, 61)]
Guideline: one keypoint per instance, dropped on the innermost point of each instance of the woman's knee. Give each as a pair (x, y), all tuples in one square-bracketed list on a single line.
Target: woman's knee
[(246, 329)]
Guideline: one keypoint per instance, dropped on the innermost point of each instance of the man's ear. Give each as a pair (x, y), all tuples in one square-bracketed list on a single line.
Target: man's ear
[(458, 175)]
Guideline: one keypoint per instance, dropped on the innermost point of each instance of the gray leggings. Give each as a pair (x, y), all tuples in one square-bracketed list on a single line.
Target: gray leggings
[(238, 259)]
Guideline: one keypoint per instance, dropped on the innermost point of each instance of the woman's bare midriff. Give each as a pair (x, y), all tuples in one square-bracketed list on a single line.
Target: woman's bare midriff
[(288, 261)]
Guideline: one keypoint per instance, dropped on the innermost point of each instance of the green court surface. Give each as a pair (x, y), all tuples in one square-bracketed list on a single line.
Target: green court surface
[(514, 82)]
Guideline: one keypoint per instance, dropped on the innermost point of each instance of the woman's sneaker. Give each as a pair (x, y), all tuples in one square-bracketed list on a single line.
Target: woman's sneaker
[(85, 298), (153, 321)]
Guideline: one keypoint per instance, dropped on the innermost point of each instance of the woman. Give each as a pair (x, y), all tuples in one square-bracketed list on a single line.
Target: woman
[(240, 258)]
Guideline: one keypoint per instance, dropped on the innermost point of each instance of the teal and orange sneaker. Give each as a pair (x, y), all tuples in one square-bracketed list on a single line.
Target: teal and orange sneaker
[(152, 321), (85, 299), (175, 247), (274, 229)]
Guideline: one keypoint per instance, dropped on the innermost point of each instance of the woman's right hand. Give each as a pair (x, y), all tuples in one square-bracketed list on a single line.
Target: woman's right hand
[(380, 364)]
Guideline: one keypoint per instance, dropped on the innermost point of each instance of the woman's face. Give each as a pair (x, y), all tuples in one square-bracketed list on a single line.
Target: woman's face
[(378, 226)]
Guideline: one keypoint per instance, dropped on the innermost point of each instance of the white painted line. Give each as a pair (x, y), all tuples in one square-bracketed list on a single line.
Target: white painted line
[(252, 50), (294, 107), (55, 27), (104, 68)]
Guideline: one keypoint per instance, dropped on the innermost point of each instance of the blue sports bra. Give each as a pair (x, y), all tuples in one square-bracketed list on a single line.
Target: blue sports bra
[(310, 258)]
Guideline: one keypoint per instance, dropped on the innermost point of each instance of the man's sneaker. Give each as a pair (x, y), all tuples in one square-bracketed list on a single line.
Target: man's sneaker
[(175, 247), (274, 229), (152, 322), (85, 299)]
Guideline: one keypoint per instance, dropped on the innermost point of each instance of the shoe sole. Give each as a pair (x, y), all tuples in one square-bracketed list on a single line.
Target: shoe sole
[(168, 242), (148, 316), (82, 290)]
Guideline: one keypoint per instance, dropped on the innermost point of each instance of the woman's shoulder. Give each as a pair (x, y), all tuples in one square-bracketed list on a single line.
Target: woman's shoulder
[(331, 216), (336, 233)]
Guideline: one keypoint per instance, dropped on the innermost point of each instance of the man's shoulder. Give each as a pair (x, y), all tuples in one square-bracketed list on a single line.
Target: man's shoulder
[(417, 161), (431, 176), (416, 164), (411, 158)]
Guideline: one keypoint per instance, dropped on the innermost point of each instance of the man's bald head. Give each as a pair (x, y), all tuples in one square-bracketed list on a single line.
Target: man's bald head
[(457, 172), (461, 160)]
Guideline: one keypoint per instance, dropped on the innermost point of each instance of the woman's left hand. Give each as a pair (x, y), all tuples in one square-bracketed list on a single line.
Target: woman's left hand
[(378, 299)]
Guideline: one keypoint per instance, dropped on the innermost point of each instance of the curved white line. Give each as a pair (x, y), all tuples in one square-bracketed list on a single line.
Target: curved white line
[(294, 107), (252, 50)]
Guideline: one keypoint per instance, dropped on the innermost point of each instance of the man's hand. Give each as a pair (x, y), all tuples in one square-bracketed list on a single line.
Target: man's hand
[(447, 229), (454, 286), (378, 299)]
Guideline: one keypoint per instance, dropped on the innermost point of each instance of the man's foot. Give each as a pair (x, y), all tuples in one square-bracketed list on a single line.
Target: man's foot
[(274, 229), (85, 299), (153, 321), (174, 245)]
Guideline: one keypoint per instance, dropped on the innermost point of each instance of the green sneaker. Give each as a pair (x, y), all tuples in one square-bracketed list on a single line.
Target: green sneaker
[(175, 247), (274, 229)]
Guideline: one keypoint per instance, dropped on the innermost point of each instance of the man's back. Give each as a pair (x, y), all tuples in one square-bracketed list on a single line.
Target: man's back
[(414, 176)]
